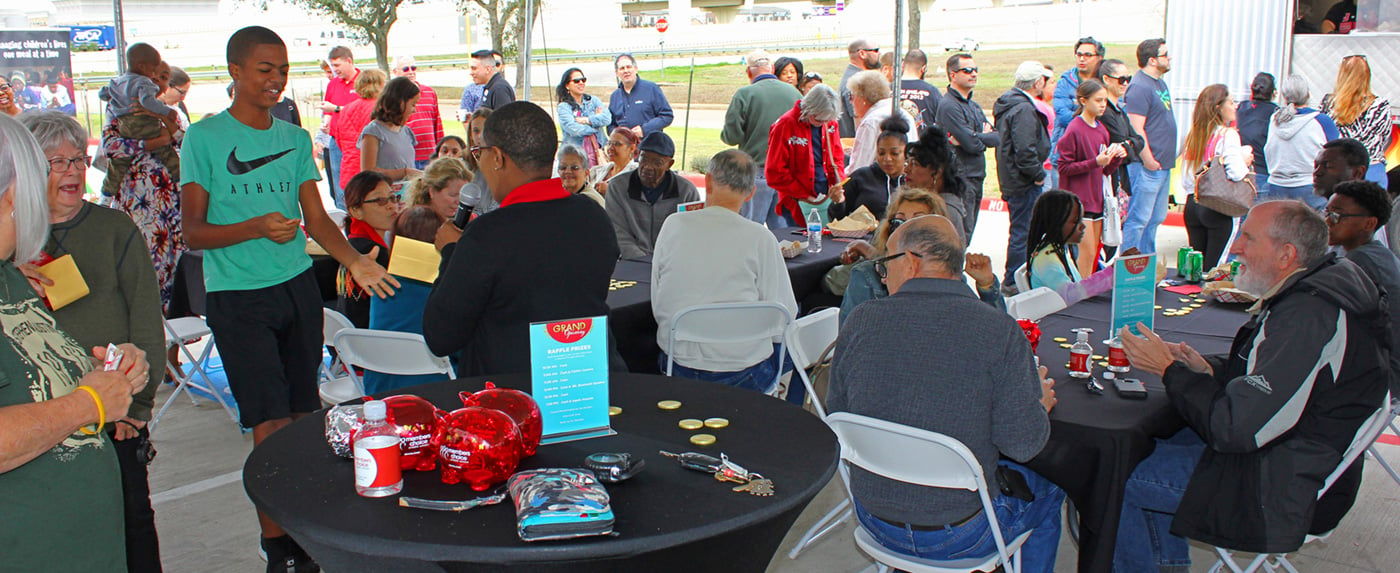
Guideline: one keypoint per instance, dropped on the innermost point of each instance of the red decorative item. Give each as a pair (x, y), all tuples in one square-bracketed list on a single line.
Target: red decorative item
[(1032, 331), (416, 420), (516, 404), (479, 446)]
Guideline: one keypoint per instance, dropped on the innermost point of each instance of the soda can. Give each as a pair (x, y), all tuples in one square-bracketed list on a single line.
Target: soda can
[(1181, 260), (1194, 261)]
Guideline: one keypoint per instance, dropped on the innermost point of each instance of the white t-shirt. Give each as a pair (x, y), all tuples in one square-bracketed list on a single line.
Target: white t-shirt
[(715, 256)]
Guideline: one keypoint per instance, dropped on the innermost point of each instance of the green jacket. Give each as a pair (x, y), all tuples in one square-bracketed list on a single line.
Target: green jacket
[(123, 302), (754, 109)]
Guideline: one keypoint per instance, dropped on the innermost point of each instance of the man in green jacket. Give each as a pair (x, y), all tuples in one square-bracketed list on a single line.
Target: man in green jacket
[(755, 108)]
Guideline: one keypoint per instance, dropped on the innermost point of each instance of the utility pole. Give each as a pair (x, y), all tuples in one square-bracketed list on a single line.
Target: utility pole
[(120, 25), (525, 47)]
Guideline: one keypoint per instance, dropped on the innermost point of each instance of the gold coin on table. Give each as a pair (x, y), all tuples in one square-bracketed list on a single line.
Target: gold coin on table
[(702, 439), (668, 405), (1061, 339), (1103, 364), (716, 423), (691, 424), (1065, 345), (1158, 307), (1196, 305), (614, 410), (1183, 299), (1097, 357)]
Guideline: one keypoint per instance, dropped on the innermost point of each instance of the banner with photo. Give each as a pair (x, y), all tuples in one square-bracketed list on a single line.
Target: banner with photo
[(36, 65)]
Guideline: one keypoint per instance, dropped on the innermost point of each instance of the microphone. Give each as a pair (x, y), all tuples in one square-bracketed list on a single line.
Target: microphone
[(467, 199)]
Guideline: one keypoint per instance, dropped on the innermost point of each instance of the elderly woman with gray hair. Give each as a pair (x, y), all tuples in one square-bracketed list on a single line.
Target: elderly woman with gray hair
[(122, 305), (58, 472), (871, 98), (572, 163), (805, 158), (1296, 135)]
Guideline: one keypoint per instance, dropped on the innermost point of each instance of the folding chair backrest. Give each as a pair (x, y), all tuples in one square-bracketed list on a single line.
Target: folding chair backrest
[(337, 216), (730, 322), (1023, 281), (331, 324), (389, 352), (808, 336), (1035, 304), (1366, 435), (907, 454)]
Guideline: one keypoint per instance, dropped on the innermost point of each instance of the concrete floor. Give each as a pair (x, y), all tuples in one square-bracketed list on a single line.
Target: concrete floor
[(207, 524)]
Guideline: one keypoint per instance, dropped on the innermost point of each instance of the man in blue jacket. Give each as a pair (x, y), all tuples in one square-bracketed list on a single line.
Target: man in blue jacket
[(637, 104), (1088, 53)]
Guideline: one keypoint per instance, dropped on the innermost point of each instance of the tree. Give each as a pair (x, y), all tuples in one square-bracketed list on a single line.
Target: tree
[(505, 21), (915, 18), (366, 20)]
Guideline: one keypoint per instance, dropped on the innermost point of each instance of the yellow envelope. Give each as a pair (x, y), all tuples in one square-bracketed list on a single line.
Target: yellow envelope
[(68, 284), (414, 260)]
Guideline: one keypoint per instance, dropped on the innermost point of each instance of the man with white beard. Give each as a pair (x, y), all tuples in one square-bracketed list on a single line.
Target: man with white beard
[(1276, 413)]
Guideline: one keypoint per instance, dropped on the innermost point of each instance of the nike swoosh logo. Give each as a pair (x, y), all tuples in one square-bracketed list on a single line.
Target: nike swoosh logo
[(237, 167)]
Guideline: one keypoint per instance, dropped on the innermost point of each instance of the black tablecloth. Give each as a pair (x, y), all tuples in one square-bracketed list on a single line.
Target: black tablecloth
[(667, 518), (1096, 441), (634, 327), (187, 296)]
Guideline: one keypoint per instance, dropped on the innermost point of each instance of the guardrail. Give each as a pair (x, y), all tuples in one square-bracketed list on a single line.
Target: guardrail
[(682, 50)]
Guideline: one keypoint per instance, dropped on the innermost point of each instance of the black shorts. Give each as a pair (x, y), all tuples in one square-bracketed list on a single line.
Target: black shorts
[(270, 343)]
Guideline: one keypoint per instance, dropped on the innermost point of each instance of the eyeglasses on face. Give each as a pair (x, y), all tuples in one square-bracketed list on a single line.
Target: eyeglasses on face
[(578, 80), (410, 68), (4, 87), (563, 168), (1078, 54), (385, 201), (967, 70), (876, 50), (63, 164), (881, 264), (1335, 217), (1122, 80)]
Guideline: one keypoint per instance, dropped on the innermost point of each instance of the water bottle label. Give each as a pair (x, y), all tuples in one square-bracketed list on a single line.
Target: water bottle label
[(1116, 357), (1078, 362), (377, 462)]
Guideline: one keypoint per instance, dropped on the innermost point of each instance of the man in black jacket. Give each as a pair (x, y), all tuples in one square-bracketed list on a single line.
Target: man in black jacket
[(968, 130), (1277, 413), (486, 70), (1025, 145), (510, 267)]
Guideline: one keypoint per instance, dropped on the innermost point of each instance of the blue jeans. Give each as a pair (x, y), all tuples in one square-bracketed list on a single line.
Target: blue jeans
[(759, 207), (1302, 193), (1147, 208), (1019, 207), (1375, 173), (760, 377), (337, 189), (421, 164), (1153, 493), (974, 538)]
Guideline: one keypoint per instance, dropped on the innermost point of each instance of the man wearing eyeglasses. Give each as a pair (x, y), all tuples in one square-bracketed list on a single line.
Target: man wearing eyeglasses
[(1148, 102), (1088, 54), (932, 357), (1355, 212), (752, 111), (969, 132), (426, 120), (864, 55)]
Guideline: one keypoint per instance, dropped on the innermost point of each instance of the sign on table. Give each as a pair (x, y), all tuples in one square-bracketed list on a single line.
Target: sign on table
[(1134, 292), (569, 377)]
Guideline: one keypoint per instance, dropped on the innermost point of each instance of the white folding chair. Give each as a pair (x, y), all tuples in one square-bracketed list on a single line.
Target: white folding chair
[(332, 323), (1365, 436), (1023, 282), (178, 333), (1389, 423), (1034, 304), (919, 457), (382, 351), (806, 339), (337, 216), (729, 322)]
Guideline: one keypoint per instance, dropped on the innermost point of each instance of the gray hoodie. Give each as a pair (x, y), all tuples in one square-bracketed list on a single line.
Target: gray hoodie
[(1295, 138)]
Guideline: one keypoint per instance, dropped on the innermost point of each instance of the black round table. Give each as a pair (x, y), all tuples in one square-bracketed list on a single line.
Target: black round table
[(1097, 440), (634, 327), (667, 518)]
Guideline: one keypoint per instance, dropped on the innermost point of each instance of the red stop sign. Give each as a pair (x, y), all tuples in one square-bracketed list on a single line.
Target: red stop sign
[(662, 25)]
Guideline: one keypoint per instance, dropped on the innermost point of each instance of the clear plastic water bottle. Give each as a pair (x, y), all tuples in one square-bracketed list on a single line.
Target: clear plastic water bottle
[(814, 232), (377, 470)]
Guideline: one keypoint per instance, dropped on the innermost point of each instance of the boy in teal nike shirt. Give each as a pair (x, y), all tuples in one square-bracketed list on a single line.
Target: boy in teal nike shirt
[(247, 186)]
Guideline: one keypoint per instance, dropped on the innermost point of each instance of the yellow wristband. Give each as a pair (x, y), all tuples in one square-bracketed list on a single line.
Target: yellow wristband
[(101, 411)]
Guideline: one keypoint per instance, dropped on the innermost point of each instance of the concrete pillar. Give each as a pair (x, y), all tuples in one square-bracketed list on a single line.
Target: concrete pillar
[(726, 14)]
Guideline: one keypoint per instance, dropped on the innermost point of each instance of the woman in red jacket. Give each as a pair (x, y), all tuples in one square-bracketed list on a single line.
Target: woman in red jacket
[(804, 154), (353, 118)]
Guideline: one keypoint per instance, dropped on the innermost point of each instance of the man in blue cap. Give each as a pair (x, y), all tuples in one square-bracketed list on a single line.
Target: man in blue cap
[(641, 201)]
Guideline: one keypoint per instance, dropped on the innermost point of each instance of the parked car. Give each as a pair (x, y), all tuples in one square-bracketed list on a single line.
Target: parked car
[(962, 45)]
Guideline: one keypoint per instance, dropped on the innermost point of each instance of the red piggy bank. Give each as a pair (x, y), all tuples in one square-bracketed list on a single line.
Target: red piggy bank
[(416, 420), (516, 404), (479, 446)]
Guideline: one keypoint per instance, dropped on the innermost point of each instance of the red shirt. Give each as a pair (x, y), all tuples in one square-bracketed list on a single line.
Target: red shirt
[(341, 92), (426, 123), (346, 132)]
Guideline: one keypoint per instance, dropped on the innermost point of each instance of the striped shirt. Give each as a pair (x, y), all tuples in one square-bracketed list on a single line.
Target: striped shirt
[(426, 123)]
